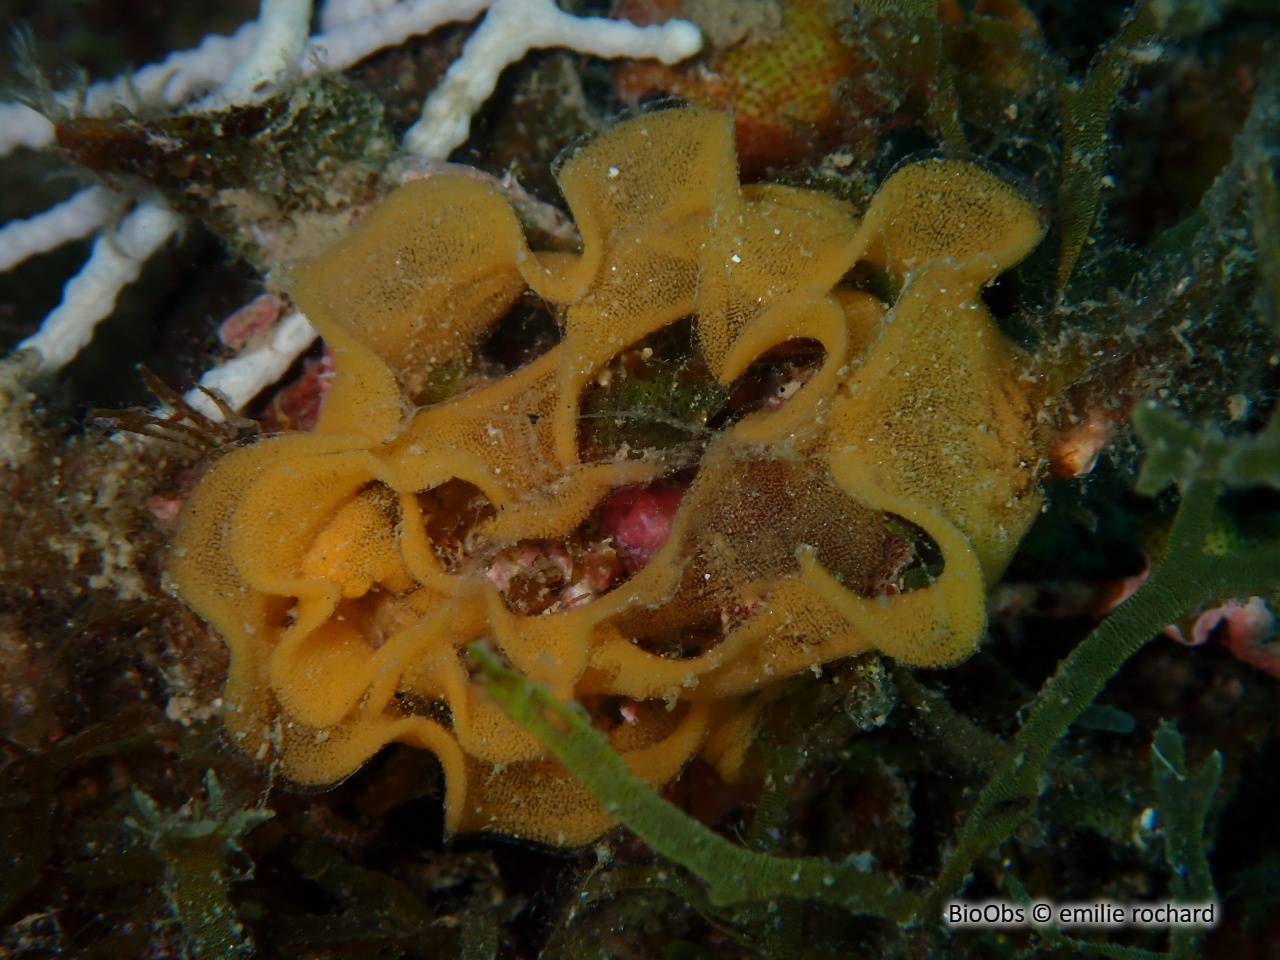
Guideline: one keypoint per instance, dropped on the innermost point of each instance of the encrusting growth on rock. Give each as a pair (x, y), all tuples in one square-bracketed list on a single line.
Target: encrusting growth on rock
[(865, 507)]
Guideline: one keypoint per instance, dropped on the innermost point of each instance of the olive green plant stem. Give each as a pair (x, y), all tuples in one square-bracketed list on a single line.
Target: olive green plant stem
[(1086, 114), (783, 940), (1185, 799), (1266, 230), (732, 874), (921, 20), (662, 879), (479, 936), (786, 752), (965, 741), (781, 767), (1183, 580)]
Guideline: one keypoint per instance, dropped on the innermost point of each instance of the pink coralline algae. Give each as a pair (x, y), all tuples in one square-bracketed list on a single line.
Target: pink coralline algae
[(639, 520), (1246, 627)]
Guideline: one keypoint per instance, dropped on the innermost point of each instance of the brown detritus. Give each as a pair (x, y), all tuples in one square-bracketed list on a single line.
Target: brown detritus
[(546, 108), (82, 542), (178, 422), (296, 405), (275, 180)]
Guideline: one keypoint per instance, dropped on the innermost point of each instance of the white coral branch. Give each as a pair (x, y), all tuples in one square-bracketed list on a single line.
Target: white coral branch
[(22, 126), (207, 67), (90, 296), (70, 220), (282, 32), (256, 59), (391, 26), (510, 30), (250, 372), (341, 13)]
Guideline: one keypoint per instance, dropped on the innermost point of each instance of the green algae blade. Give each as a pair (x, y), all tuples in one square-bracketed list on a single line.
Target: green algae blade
[(732, 874), (1086, 114)]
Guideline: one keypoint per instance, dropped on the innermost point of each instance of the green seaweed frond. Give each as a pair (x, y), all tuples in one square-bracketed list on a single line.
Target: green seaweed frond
[(730, 873), (198, 820), (1086, 115), (1192, 572), (1177, 451), (1185, 798), (918, 20), (195, 843), (1053, 937), (1184, 801)]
